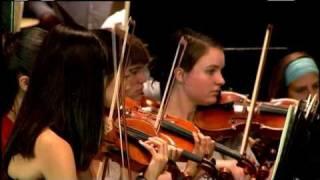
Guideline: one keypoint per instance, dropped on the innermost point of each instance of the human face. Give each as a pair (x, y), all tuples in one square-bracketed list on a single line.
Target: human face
[(303, 86), (135, 76), (203, 83)]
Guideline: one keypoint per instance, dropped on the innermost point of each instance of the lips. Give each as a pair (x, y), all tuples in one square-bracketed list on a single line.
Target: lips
[(139, 91), (215, 92)]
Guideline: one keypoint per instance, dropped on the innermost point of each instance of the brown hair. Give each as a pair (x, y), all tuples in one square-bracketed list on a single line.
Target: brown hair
[(277, 87), (138, 54), (198, 45)]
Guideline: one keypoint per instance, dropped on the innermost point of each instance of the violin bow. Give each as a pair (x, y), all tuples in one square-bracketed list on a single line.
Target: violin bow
[(115, 98), (127, 12), (182, 45), (256, 88), (311, 106), (126, 24), (121, 99)]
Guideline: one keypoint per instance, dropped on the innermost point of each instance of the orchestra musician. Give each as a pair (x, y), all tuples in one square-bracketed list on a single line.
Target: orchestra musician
[(296, 76), (135, 75), (19, 53), (60, 124), (198, 81)]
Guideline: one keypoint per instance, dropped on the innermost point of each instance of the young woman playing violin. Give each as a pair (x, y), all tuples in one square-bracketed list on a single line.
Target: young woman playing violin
[(135, 76), (198, 81), (138, 58), (60, 124), (297, 77)]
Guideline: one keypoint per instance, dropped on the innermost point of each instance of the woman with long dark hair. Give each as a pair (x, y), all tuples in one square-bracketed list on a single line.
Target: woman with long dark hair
[(60, 124), (19, 51)]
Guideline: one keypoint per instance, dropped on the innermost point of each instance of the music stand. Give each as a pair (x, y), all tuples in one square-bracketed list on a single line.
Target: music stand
[(292, 147)]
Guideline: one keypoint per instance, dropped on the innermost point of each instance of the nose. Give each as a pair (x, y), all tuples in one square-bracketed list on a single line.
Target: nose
[(219, 80), (143, 75), (312, 91)]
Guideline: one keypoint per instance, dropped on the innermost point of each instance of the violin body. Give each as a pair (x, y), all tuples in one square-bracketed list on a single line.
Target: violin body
[(137, 129), (180, 131), (227, 118), (171, 123)]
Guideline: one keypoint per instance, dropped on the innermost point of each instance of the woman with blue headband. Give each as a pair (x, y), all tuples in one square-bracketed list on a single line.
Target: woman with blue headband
[(296, 76)]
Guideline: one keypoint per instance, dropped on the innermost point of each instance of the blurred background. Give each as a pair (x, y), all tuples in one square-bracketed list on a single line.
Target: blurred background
[(240, 26)]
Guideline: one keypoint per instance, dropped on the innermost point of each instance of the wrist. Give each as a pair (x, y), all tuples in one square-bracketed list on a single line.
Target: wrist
[(148, 176), (187, 176), (191, 169)]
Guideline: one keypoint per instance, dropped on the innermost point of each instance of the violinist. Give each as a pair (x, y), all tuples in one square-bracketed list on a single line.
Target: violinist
[(296, 76), (137, 70), (135, 75), (60, 125), (198, 81), (138, 58)]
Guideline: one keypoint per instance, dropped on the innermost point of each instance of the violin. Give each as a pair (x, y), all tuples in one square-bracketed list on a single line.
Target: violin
[(180, 131), (138, 128), (136, 109), (139, 157), (227, 118)]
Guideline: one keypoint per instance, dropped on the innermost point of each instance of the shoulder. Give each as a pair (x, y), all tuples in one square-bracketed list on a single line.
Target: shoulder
[(55, 155), (49, 143)]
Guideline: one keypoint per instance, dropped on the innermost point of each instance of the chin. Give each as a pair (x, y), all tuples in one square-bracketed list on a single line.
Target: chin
[(209, 101), (136, 97)]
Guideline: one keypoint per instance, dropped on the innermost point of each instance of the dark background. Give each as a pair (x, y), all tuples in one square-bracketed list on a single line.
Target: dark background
[(234, 24)]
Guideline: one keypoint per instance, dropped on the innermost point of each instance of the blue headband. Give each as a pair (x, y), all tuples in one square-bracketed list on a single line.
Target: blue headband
[(300, 67)]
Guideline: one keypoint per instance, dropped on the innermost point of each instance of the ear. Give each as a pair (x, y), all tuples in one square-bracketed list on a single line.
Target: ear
[(23, 81), (179, 74)]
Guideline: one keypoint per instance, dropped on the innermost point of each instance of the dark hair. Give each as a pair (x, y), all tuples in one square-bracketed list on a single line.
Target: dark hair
[(66, 94), (277, 87), (19, 53), (138, 53), (198, 45)]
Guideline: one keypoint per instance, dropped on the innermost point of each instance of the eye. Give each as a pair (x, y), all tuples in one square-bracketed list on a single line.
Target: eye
[(300, 89), (133, 71), (315, 86), (127, 75), (210, 71)]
